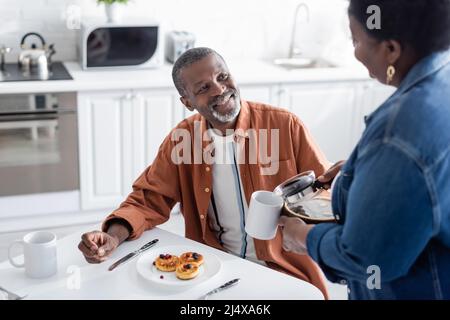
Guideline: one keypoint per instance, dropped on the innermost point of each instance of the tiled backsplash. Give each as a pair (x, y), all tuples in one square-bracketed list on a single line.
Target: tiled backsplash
[(235, 28)]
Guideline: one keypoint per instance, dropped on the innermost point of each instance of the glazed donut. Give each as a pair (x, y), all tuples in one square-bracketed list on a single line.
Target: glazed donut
[(192, 257), (187, 271), (166, 262)]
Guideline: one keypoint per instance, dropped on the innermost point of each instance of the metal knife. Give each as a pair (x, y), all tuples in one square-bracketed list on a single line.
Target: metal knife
[(227, 285), (133, 254)]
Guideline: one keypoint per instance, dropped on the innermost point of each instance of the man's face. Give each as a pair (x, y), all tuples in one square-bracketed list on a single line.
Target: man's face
[(211, 90)]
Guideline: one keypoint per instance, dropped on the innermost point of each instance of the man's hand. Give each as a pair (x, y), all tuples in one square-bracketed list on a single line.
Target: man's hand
[(295, 232), (97, 246), (328, 177)]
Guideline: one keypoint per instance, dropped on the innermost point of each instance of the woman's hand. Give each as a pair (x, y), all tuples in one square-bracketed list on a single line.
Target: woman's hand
[(295, 232), (328, 177)]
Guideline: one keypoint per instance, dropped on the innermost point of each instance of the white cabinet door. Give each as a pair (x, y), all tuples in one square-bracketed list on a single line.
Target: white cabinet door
[(328, 112), (261, 93), (103, 141), (119, 136), (376, 94), (155, 114)]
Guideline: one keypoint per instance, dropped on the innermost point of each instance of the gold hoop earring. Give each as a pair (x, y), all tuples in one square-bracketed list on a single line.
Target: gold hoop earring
[(390, 73)]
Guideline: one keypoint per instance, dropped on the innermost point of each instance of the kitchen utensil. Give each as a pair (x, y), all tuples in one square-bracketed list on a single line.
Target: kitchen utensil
[(227, 285), (3, 50), (263, 215), (304, 198), (39, 251), (133, 254), (12, 295), (35, 59)]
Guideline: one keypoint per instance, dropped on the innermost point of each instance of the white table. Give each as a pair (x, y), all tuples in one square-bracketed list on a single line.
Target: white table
[(257, 282)]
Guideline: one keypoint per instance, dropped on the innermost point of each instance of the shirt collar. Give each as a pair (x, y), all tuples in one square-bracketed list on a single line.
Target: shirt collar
[(421, 70)]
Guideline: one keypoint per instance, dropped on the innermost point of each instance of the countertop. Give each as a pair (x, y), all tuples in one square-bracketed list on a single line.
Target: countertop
[(246, 72)]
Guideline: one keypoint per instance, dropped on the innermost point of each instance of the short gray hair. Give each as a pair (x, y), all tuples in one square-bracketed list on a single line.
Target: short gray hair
[(186, 59)]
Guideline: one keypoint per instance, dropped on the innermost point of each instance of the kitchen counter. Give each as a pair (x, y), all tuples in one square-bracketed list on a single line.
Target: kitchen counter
[(246, 72)]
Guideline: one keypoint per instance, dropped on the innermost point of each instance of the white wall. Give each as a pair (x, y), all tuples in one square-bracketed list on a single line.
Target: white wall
[(235, 28)]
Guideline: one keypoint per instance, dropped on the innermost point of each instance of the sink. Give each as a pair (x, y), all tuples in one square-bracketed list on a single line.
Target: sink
[(302, 63)]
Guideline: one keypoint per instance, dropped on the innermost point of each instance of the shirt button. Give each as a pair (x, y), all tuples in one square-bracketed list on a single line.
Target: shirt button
[(202, 216), (344, 282), (337, 217), (206, 189), (208, 169)]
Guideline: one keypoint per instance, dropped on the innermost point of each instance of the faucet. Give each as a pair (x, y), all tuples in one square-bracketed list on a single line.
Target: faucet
[(294, 51)]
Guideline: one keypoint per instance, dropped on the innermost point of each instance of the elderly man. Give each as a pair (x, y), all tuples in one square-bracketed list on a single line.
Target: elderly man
[(211, 163)]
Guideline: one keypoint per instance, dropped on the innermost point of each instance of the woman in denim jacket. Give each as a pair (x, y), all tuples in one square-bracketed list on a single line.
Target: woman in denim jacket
[(391, 199)]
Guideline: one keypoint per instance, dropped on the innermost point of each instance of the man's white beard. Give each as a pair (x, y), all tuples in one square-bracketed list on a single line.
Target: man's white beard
[(224, 118)]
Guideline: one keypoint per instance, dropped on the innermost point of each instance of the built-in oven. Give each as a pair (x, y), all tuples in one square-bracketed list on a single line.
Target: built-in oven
[(38, 143)]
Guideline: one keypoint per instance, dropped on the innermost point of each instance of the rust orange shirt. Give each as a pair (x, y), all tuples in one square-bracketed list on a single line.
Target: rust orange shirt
[(164, 182)]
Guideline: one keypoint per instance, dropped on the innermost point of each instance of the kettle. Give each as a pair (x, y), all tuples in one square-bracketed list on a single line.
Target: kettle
[(305, 198), (34, 59)]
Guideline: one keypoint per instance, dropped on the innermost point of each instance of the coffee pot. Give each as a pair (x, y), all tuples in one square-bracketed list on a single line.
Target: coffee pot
[(305, 198)]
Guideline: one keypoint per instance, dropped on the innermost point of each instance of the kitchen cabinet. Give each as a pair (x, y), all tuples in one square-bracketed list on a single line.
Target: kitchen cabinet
[(334, 111), (119, 136), (266, 93), (328, 111)]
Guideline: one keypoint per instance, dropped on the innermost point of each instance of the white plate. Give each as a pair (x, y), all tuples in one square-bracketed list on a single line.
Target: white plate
[(148, 271)]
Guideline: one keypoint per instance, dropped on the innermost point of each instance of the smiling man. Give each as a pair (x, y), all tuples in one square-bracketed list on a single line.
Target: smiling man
[(221, 163)]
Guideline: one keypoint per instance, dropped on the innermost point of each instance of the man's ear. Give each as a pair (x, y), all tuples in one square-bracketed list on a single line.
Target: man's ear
[(393, 51), (186, 103)]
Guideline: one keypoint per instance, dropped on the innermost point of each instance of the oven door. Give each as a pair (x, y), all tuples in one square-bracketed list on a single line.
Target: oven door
[(38, 143)]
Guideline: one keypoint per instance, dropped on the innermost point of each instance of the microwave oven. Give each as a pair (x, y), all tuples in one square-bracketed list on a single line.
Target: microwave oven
[(120, 45)]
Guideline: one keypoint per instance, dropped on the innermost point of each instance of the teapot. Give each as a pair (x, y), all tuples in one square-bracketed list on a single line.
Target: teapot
[(34, 59)]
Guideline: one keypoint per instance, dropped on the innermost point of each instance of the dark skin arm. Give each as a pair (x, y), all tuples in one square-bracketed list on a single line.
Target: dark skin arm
[(97, 246)]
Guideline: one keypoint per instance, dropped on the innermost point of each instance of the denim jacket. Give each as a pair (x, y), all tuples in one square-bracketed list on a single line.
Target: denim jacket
[(392, 198)]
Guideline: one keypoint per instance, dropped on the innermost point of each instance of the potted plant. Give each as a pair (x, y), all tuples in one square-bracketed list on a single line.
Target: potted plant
[(112, 9)]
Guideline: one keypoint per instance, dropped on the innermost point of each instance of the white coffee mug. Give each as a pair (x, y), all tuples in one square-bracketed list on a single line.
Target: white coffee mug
[(39, 254), (263, 215)]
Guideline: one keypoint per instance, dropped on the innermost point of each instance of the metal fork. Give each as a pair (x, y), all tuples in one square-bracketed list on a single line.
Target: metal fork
[(12, 295)]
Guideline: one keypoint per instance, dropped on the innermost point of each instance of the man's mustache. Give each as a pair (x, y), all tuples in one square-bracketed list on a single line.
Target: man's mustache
[(222, 98)]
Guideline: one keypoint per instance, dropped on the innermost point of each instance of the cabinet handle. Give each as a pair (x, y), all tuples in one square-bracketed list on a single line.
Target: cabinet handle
[(128, 96), (282, 91)]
